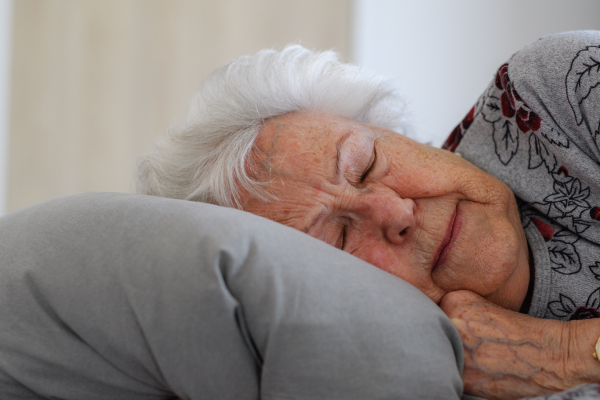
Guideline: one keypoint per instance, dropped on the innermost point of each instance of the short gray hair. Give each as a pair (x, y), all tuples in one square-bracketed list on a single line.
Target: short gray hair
[(203, 158)]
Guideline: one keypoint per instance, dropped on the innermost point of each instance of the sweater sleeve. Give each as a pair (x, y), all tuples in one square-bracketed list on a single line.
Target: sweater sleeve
[(536, 128)]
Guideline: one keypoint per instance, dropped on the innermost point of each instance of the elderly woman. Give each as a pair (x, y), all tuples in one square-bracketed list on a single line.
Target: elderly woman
[(505, 237)]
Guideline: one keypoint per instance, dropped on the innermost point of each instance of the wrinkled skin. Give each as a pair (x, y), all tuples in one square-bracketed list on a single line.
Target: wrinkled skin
[(420, 213), (436, 221), (510, 355)]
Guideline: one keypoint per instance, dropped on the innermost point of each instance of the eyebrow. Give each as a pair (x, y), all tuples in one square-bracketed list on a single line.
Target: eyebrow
[(338, 152), (314, 221)]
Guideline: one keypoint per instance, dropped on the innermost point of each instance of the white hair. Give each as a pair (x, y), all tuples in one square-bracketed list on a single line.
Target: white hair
[(203, 158)]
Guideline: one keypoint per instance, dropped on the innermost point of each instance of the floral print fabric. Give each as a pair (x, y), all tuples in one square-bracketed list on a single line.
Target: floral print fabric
[(537, 128)]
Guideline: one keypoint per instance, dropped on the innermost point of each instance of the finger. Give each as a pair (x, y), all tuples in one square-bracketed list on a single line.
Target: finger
[(460, 298)]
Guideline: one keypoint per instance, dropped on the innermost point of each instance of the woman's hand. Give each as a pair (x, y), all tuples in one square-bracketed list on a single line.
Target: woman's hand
[(510, 355)]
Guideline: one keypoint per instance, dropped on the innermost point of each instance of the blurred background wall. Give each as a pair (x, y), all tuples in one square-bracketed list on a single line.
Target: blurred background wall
[(6, 15), (94, 82), (87, 85)]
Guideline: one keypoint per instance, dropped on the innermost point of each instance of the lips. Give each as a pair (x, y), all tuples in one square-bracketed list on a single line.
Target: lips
[(447, 243)]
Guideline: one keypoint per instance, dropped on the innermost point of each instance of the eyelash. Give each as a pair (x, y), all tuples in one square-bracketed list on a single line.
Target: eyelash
[(364, 176), (370, 168)]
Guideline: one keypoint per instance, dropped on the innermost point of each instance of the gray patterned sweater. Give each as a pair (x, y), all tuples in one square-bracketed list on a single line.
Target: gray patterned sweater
[(537, 128)]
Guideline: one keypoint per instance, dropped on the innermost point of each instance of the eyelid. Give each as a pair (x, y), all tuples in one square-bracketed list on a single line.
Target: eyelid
[(343, 237), (370, 168)]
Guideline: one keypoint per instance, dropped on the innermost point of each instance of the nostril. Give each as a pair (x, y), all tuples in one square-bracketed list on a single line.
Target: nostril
[(403, 232)]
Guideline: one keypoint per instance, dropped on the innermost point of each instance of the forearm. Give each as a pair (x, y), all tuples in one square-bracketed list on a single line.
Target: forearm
[(510, 355), (503, 362)]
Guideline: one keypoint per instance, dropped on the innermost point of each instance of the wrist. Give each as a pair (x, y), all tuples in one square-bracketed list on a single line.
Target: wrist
[(580, 344)]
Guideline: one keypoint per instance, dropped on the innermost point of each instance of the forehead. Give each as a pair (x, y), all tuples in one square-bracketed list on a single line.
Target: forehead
[(297, 156), (306, 145)]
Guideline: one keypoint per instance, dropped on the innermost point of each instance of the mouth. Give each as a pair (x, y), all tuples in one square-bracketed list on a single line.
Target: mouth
[(449, 239)]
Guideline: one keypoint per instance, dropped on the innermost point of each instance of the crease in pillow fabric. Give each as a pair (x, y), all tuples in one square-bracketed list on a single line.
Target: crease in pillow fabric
[(115, 296)]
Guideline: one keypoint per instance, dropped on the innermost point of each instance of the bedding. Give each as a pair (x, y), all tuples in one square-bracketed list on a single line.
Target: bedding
[(115, 296)]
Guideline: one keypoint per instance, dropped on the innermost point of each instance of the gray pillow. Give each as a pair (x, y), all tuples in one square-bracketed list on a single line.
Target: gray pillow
[(114, 296)]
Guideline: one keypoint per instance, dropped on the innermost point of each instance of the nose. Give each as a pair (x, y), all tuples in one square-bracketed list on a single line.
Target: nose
[(393, 215)]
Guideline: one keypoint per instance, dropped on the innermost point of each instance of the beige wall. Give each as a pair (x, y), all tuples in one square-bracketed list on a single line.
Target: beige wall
[(95, 82)]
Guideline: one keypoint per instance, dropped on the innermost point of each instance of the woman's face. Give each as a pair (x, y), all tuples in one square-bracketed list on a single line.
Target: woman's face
[(420, 213)]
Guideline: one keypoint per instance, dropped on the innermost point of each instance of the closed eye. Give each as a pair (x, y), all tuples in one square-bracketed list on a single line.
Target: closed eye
[(365, 174), (341, 229)]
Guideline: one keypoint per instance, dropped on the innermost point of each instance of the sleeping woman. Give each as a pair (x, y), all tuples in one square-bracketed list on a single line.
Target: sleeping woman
[(501, 228)]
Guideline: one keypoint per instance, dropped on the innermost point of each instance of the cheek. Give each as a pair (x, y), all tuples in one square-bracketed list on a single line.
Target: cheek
[(374, 253), (424, 177), (422, 172), (403, 266), (485, 256), (397, 260)]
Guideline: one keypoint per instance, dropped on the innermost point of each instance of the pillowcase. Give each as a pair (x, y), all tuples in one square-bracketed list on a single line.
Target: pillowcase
[(115, 296)]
